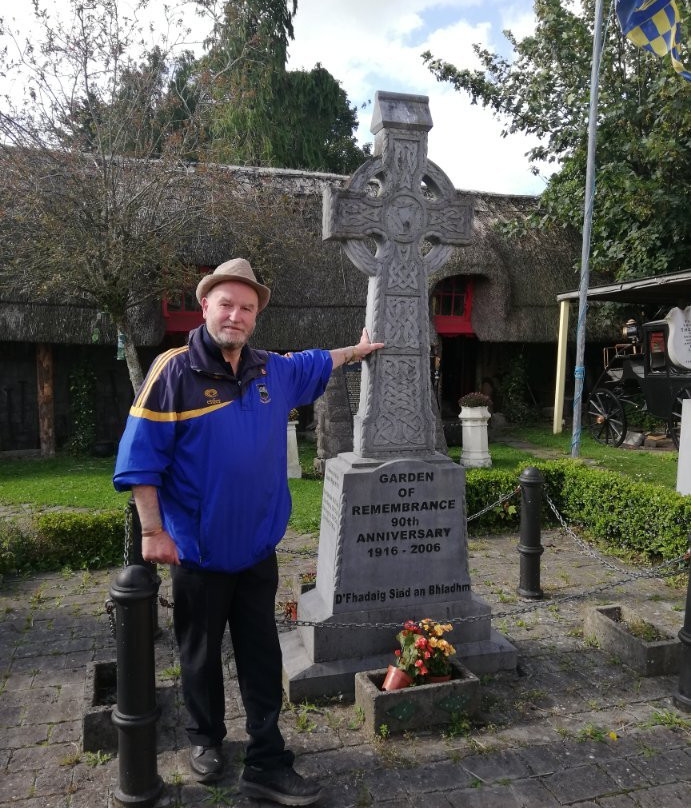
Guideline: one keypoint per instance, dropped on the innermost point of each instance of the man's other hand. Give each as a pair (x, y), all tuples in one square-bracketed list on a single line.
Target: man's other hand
[(160, 548)]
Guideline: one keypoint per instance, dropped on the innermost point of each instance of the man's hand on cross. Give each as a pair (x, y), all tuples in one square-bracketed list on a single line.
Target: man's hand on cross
[(354, 353)]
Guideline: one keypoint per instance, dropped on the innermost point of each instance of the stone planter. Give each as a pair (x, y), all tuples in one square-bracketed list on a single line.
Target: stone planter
[(475, 452), (417, 707), (294, 469), (100, 696), (608, 625)]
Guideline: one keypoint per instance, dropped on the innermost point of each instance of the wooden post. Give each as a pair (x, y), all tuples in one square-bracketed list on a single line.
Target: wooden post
[(46, 410), (561, 367)]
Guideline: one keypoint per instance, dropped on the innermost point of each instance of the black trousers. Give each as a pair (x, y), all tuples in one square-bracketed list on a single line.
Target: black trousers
[(205, 602)]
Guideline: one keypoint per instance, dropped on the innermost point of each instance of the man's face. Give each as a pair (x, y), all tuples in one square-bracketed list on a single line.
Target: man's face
[(230, 311)]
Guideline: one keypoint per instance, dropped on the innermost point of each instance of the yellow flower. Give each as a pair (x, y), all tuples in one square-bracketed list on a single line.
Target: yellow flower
[(438, 630)]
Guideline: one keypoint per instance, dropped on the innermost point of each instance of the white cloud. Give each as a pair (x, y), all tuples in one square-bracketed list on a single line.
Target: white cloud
[(368, 47)]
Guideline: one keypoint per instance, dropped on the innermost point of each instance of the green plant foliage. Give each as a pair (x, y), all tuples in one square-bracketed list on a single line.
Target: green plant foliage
[(641, 224), (265, 115), (515, 393), (80, 540), (82, 386)]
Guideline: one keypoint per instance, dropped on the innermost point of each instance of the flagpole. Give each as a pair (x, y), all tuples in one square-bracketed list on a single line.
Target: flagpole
[(579, 371)]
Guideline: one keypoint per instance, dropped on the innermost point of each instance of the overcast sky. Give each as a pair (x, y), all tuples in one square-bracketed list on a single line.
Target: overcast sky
[(371, 45)]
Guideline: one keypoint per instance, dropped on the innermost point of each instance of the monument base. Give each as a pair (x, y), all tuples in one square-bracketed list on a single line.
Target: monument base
[(304, 679), (392, 547)]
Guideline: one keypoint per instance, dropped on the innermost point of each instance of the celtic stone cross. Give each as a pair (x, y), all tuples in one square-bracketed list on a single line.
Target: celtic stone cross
[(398, 218)]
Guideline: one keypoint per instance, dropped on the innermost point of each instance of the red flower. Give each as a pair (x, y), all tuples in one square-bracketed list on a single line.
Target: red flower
[(421, 642), (427, 655), (418, 663), (397, 652)]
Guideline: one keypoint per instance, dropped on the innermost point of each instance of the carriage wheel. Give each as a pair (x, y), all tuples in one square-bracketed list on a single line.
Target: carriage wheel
[(606, 418), (675, 414)]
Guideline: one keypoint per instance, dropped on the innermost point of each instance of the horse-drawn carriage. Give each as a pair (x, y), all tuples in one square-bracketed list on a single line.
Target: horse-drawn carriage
[(650, 372)]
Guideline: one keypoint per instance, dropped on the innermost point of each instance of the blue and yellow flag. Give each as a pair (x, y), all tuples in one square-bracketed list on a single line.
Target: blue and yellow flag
[(653, 25)]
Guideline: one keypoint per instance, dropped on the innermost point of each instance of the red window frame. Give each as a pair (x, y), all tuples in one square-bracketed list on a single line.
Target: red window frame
[(183, 313), (452, 304)]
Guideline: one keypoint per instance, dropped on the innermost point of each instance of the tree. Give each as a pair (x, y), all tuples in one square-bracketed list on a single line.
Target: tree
[(641, 223), (265, 115), (96, 198)]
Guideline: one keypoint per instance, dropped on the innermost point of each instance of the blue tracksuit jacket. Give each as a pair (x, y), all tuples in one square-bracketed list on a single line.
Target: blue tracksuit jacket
[(215, 447)]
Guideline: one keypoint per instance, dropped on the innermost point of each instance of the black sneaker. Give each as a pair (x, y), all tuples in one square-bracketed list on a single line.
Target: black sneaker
[(284, 786), (206, 762)]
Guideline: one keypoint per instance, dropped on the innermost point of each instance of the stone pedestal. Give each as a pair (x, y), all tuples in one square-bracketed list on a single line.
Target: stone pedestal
[(475, 444), (294, 468), (392, 547)]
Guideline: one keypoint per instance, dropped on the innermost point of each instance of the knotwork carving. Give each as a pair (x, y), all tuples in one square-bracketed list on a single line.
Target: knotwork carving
[(402, 274), (399, 420), (402, 322), (405, 159)]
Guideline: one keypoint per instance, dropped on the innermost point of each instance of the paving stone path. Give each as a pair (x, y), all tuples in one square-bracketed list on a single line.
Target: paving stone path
[(572, 726)]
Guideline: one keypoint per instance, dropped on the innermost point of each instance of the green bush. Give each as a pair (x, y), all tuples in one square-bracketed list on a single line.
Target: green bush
[(77, 540), (625, 514)]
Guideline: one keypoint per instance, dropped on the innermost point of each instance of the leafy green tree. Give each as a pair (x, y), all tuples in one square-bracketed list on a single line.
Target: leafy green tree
[(263, 114), (641, 223)]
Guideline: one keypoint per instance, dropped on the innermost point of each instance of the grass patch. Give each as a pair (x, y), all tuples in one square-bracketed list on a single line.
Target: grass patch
[(650, 467), (60, 481)]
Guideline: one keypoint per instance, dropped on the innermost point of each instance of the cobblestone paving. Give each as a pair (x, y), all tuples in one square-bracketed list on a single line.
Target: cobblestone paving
[(572, 726)]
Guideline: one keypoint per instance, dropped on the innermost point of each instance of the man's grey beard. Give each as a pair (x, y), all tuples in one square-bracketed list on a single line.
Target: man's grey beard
[(227, 343)]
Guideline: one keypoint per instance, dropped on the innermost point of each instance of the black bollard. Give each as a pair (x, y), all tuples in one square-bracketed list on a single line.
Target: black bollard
[(135, 557), (136, 712), (530, 548), (682, 698)]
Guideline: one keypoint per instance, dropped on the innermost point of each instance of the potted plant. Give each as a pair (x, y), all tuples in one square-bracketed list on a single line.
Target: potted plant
[(423, 655), (474, 417)]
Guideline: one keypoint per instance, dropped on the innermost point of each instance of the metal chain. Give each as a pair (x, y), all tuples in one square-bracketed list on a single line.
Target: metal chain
[(590, 551), (500, 501), (110, 611), (304, 553), (283, 619), (129, 517)]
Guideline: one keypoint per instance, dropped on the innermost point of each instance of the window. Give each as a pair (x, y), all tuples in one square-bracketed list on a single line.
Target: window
[(452, 301), (181, 311)]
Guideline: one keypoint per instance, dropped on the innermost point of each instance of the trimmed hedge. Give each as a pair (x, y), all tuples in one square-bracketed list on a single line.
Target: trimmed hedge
[(623, 513), (63, 538), (644, 518)]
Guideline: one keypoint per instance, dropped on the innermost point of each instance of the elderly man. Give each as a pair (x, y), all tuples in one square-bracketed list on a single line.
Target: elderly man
[(204, 452)]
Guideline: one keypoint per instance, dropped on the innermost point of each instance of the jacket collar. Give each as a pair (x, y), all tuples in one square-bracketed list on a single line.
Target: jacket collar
[(206, 357)]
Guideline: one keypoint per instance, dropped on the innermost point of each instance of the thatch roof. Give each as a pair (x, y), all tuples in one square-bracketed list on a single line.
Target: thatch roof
[(318, 295), (516, 279)]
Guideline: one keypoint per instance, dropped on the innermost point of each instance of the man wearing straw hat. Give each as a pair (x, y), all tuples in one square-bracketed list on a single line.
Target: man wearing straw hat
[(204, 452)]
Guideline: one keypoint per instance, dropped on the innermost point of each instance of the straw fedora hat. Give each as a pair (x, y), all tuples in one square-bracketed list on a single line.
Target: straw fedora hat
[(237, 269)]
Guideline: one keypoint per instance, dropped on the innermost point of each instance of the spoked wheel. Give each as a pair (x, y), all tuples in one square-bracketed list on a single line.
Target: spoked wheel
[(606, 418), (675, 414)]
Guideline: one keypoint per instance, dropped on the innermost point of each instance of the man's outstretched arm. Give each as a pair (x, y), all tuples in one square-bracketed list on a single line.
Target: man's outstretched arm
[(354, 353)]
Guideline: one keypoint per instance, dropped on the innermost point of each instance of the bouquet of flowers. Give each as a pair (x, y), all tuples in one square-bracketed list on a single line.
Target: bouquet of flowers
[(424, 653)]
